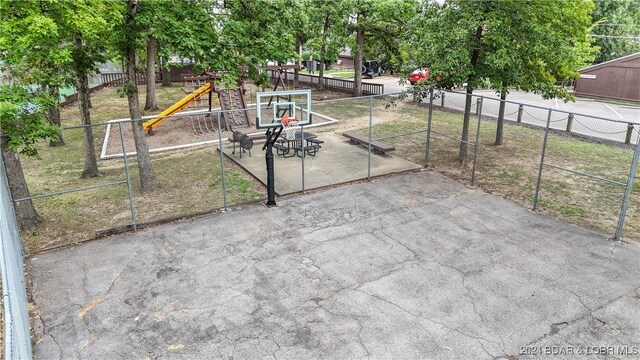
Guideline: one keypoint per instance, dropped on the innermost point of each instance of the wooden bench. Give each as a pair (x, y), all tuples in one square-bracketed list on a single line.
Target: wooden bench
[(378, 146)]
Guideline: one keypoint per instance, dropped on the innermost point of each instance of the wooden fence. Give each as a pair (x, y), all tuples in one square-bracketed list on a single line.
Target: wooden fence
[(336, 84), (117, 78)]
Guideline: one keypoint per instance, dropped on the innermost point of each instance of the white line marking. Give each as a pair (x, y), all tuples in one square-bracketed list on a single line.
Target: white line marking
[(557, 107), (615, 112)]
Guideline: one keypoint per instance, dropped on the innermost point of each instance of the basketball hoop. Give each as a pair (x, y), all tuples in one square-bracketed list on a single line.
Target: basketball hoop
[(290, 126)]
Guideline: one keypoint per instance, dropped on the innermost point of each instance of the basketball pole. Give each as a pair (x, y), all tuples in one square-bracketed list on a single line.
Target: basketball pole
[(272, 136)]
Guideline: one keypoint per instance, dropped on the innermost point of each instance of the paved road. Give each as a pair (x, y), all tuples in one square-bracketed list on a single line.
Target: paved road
[(415, 266)]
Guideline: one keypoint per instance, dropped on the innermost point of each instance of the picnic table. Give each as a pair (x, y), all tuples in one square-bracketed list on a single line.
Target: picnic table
[(303, 144)]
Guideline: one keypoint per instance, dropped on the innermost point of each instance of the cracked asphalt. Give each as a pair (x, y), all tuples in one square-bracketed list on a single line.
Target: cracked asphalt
[(413, 266)]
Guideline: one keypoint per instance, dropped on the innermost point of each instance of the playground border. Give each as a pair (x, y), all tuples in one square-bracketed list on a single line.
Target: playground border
[(105, 156)]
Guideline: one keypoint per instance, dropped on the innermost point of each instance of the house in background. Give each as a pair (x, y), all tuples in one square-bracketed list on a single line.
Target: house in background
[(345, 59), (615, 79)]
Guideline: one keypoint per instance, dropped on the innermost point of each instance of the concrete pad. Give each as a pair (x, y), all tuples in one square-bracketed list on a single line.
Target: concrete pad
[(414, 266), (337, 162)]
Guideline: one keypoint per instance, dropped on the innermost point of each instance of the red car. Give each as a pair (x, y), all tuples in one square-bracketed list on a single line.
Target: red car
[(419, 75)]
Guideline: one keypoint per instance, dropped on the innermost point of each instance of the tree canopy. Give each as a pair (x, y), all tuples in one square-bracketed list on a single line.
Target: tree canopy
[(22, 115), (617, 28), (528, 45)]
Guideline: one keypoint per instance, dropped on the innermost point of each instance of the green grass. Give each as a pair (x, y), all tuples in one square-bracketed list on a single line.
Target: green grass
[(343, 74), (344, 109), (191, 181), (511, 170)]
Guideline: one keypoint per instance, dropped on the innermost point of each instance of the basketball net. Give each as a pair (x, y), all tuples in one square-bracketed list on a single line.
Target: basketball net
[(290, 126)]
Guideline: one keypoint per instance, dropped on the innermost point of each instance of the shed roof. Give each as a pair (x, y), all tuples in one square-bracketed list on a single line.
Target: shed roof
[(603, 64)]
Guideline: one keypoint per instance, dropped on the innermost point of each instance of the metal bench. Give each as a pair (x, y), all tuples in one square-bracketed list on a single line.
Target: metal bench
[(315, 142), (283, 150), (307, 150), (378, 146)]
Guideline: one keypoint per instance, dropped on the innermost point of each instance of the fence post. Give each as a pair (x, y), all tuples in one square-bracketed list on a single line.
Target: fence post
[(126, 172), (542, 153), (369, 145), (570, 122), (478, 105), (442, 100), (224, 182), (627, 139), (520, 110), (475, 146), (303, 155), (429, 118), (627, 193)]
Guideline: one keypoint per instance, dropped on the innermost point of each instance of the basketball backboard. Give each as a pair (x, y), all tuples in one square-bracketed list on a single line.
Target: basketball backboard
[(272, 106)]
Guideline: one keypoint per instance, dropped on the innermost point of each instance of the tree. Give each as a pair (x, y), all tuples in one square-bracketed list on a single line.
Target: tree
[(164, 67), (152, 45), (539, 58), (377, 21), (173, 28), (129, 40), (22, 116), (505, 42), (617, 22), (359, 20), (301, 11), (326, 29), (252, 33), (30, 41), (88, 25)]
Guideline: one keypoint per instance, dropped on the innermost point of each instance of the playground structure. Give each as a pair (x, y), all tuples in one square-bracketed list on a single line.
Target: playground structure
[(232, 103)]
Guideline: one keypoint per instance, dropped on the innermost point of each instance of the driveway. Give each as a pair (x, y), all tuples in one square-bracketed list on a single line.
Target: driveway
[(406, 267)]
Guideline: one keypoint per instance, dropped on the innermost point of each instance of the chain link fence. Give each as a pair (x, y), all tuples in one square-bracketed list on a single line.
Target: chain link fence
[(17, 340), (582, 177)]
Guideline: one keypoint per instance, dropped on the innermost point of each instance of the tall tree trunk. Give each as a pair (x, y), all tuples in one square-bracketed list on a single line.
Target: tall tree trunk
[(27, 215), (148, 180), (150, 102), (467, 107), (166, 73), (296, 72), (465, 125), (53, 115), (357, 63), (323, 50), (82, 86), (500, 126)]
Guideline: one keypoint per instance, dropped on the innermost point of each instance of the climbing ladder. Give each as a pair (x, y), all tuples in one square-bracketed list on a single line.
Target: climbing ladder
[(201, 123), (234, 108)]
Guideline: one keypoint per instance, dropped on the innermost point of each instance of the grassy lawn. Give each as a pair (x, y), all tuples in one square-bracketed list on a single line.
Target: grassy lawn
[(510, 170), (191, 180), (344, 74)]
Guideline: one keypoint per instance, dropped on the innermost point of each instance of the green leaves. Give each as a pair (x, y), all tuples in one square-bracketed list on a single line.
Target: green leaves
[(22, 118), (528, 44), (615, 21)]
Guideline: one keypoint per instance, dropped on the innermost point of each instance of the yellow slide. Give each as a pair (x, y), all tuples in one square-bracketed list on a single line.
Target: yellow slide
[(151, 124)]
